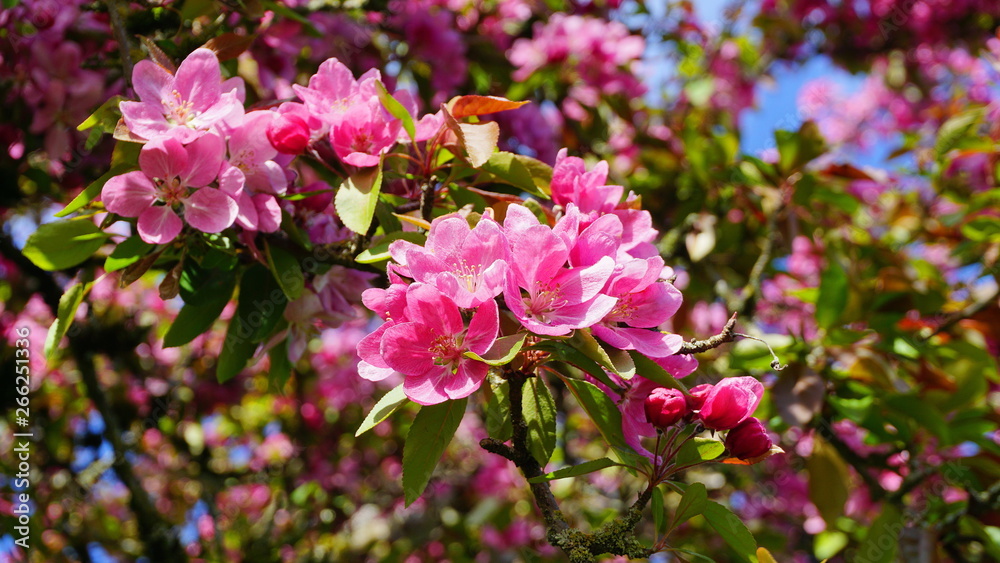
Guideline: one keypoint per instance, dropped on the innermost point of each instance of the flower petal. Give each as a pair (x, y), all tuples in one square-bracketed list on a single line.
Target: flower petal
[(129, 194), (163, 157), (210, 210), (205, 156), (199, 79), (159, 225)]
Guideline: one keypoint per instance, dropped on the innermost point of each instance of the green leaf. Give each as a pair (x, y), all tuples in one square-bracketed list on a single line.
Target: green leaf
[(833, 294), (607, 418), (262, 302), (576, 470), (128, 252), (10, 4), (498, 424), (882, 541), (539, 410), (429, 436), (693, 502), (105, 117), (195, 318), (652, 371), (509, 168), (659, 512), (698, 450), (237, 349), (560, 350), (357, 197), (94, 189), (63, 244), (281, 366), (797, 149), (68, 304), (286, 270), (396, 109), (732, 530), (502, 352), (615, 361), (388, 404), (828, 479), (963, 124), (379, 251)]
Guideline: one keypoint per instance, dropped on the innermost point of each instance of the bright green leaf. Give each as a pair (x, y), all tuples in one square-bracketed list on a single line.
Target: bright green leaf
[(379, 251), (388, 404), (576, 470), (693, 502), (357, 197), (539, 410), (429, 436), (63, 244), (94, 189), (128, 252), (502, 352), (699, 450), (607, 418), (732, 530), (498, 424), (68, 304), (396, 109)]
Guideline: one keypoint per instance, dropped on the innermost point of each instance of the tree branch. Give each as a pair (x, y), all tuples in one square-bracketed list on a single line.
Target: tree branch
[(726, 335)]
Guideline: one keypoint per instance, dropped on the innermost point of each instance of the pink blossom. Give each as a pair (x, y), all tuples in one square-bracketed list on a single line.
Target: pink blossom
[(173, 174), (644, 302), (192, 101), (730, 402), (558, 299), (365, 132), (665, 407), (748, 440), (469, 265), (429, 347), (333, 90)]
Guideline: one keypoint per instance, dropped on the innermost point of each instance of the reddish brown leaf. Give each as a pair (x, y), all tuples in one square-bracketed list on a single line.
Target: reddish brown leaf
[(465, 106), (229, 45), (157, 54)]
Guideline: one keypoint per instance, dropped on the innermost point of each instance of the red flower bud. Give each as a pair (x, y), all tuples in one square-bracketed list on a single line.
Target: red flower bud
[(664, 407), (748, 440), (288, 133)]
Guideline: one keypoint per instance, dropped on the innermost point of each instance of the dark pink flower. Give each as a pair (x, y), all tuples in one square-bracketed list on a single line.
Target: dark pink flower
[(665, 407), (731, 402), (749, 440)]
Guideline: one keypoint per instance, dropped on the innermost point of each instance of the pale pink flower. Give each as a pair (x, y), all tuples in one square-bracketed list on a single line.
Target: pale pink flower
[(558, 299), (177, 176), (191, 102), (469, 265)]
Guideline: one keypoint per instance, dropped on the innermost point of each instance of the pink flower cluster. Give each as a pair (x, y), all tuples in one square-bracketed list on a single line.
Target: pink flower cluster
[(205, 162), (599, 56), (595, 268)]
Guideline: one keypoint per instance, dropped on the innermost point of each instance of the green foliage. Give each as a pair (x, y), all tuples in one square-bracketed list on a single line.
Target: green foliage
[(429, 435), (64, 244)]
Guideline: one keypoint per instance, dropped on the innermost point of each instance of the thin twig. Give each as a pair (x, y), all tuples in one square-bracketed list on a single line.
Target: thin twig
[(726, 335), (117, 10)]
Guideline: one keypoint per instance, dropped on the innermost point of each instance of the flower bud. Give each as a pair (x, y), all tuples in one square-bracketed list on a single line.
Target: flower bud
[(664, 407), (749, 440), (731, 402), (288, 133), (697, 395)]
